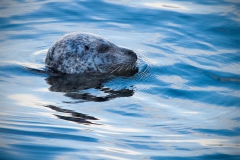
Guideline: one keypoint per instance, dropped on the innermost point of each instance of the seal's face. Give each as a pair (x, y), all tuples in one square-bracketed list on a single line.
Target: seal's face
[(84, 53)]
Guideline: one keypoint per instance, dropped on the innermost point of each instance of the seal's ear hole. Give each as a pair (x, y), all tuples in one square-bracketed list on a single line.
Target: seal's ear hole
[(86, 48)]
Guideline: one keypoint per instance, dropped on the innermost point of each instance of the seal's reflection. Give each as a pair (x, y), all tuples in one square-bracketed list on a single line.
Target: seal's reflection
[(73, 116), (74, 85)]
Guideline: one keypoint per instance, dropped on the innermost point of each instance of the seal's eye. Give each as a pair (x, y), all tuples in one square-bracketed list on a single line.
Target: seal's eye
[(103, 48)]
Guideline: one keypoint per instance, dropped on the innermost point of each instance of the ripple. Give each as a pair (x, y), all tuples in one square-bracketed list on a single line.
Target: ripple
[(183, 100)]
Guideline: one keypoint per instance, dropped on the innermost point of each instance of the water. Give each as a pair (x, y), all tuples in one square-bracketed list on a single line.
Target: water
[(182, 104)]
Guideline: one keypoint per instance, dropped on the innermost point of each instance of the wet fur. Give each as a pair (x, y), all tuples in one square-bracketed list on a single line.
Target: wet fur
[(78, 53)]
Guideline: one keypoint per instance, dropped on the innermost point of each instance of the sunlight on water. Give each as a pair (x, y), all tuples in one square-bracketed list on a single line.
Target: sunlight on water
[(165, 6), (120, 150), (27, 100)]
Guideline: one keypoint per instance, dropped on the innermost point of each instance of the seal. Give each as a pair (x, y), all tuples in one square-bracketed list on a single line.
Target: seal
[(78, 53)]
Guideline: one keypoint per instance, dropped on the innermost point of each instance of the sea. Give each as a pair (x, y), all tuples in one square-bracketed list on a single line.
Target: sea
[(183, 102)]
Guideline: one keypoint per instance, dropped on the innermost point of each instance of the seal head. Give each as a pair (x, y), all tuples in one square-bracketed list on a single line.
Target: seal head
[(78, 53)]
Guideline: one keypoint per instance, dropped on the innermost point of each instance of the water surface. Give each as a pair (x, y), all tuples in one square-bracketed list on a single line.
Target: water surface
[(182, 104)]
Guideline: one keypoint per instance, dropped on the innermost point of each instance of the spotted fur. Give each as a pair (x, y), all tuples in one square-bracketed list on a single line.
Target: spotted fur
[(78, 53)]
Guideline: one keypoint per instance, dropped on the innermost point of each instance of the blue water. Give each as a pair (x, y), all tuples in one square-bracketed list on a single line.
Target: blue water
[(184, 103)]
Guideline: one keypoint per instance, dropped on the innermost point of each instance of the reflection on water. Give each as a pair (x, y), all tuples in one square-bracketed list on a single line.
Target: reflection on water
[(74, 116), (182, 103), (76, 87)]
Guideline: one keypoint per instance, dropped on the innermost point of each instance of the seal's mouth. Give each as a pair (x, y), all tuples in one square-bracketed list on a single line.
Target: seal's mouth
[(124, 68)]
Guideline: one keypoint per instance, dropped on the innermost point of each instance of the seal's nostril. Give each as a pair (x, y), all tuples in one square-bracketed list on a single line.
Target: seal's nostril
[(129, 52), (131, 55)]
